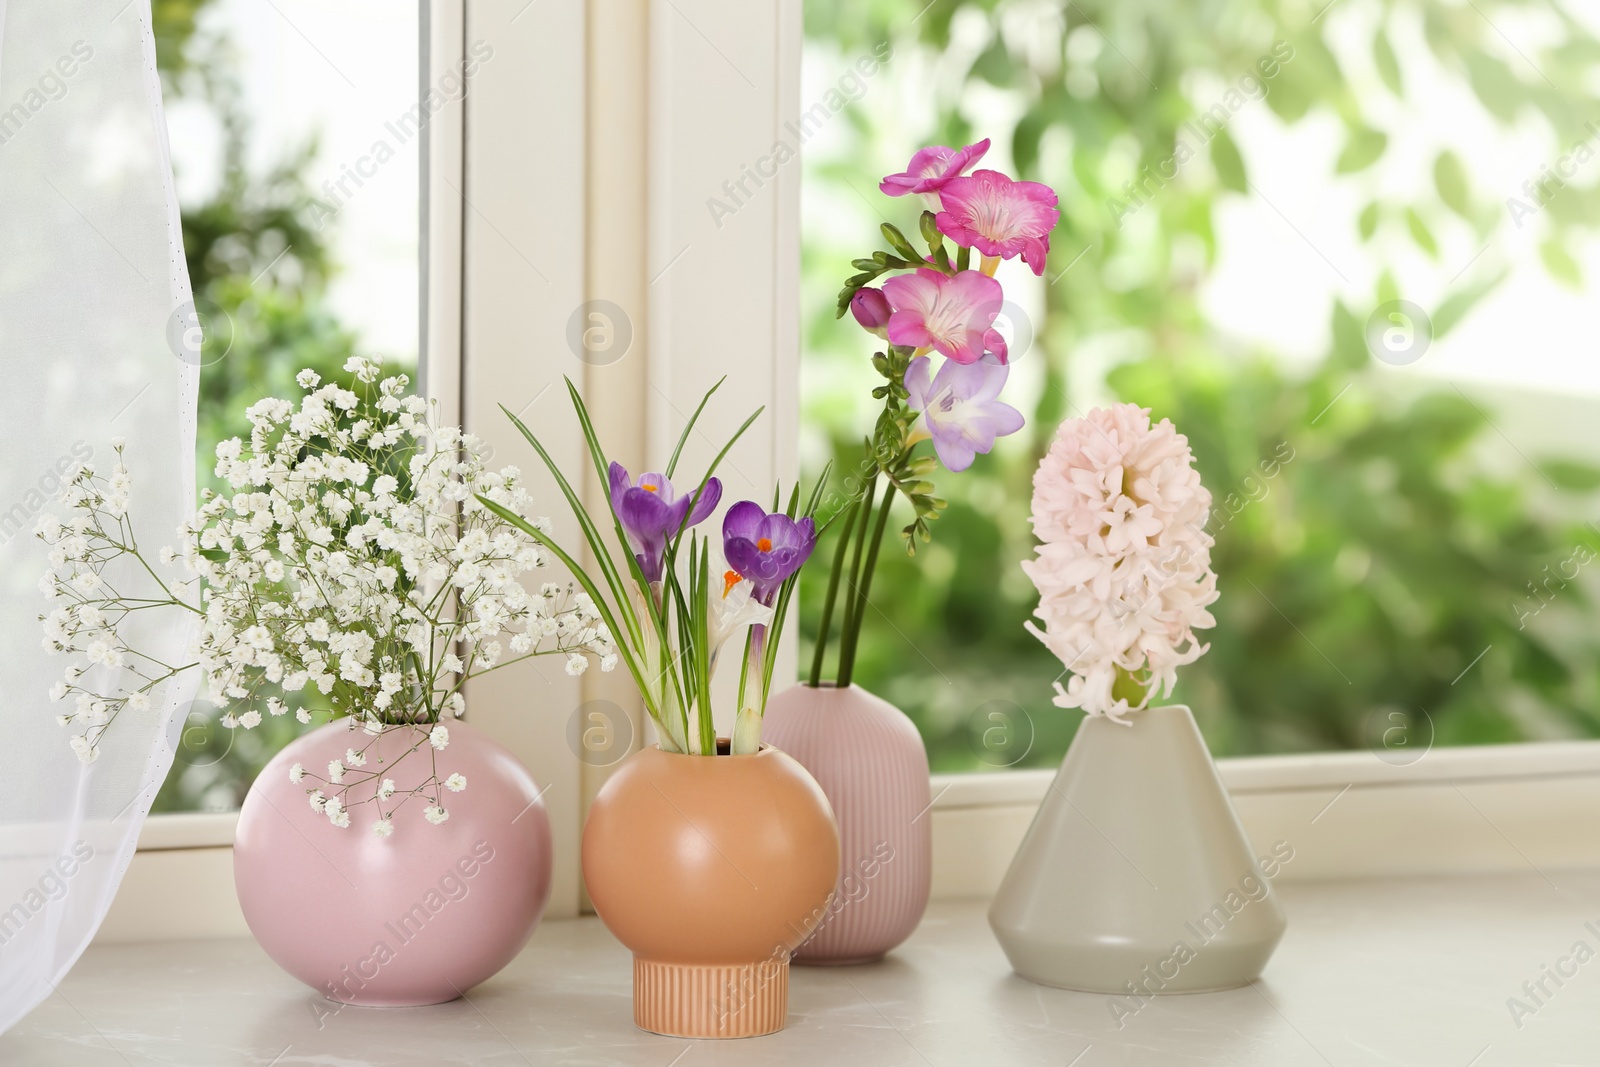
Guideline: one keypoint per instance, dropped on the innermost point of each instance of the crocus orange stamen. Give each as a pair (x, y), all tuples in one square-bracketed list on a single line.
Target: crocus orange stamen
[(765, 544), (729, 580), (647, 487)]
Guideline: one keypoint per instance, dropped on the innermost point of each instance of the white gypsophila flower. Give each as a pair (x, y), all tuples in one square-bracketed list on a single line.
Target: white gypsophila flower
[(1124, 564), (455, 783), (384, 827), (296, 772), (335, 771), (435, 814), (576, 664), (354, 759), (348, 546), (318, 801), (386, 789)]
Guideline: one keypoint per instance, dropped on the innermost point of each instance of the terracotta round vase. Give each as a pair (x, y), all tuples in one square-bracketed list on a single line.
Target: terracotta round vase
[(870, 761), (710, 869), (417, 917)]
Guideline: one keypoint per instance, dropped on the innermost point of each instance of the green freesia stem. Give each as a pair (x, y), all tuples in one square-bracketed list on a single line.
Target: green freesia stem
[(839, 552), (851, 624), (847, 644)]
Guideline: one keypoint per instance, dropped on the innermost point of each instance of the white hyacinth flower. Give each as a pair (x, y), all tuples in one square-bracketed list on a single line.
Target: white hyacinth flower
[(1124, 564)]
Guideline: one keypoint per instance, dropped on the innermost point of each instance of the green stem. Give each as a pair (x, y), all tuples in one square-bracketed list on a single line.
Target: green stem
[(851, 624), (847, 645), (1127, 687), (833, 591)]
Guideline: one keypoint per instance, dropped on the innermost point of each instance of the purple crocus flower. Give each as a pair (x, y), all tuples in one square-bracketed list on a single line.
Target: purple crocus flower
[(764, 548), (959, 408), (652, 512)]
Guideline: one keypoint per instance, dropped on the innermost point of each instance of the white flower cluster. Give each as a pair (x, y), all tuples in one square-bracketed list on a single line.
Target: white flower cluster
[(88, 606), (349, 775), (351, 561), (1124, 565)]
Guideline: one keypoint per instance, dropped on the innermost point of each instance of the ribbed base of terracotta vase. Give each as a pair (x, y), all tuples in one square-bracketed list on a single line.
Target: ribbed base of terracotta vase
[(689, 1000)]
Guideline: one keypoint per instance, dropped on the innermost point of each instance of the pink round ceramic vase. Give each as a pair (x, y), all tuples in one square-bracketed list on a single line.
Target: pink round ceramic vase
[(870, 761), (417, 917)]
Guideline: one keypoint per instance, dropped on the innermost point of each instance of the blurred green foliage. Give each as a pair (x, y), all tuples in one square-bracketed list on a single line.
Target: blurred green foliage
[(259, 267), (1379, 580)]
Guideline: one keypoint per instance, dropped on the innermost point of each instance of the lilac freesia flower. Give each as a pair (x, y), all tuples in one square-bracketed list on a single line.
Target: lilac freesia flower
[(652, 512), (954, 315), (959, 408), (931, 168), (999, 217), (765, 548)]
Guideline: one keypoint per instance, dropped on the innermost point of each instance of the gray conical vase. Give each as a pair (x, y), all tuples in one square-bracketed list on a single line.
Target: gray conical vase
[(1136, 877)]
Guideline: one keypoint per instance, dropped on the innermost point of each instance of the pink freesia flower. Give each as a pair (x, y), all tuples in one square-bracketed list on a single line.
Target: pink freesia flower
[(871, 309), (959, 408), (953, 315), (999, 217), (931, 168)]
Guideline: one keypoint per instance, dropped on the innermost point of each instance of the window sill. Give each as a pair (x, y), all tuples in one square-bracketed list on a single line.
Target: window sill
[(1487, 809), (1483, 809), (1453, 949)]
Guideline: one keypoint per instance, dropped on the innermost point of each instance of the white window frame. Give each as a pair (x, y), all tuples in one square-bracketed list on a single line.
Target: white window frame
[(548, 151)]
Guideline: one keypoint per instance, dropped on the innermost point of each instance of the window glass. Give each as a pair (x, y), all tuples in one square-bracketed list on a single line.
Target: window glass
[(297, 176), (1350, 251)]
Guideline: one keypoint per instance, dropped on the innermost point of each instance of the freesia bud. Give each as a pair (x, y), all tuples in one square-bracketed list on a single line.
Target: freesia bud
[(871, 309)]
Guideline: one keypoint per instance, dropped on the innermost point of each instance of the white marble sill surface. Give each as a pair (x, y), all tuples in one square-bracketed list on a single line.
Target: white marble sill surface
[(1396, 972)]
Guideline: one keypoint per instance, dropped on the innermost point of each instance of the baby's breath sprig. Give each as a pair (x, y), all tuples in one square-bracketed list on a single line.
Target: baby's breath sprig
[(350, 555)]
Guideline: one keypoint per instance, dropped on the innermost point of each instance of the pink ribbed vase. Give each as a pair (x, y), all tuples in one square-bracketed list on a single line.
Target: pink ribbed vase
[(870, 761)]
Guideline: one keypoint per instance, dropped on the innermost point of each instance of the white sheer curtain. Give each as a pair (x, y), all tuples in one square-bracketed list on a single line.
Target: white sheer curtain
[(94, 345)]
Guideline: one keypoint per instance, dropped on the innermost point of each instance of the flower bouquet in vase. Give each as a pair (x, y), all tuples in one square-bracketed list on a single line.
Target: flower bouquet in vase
[(711, 858), (1135, 877), (361, 566), (944, 364)]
